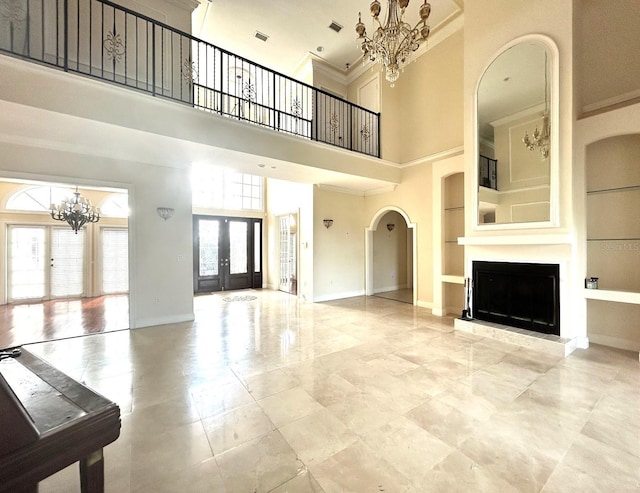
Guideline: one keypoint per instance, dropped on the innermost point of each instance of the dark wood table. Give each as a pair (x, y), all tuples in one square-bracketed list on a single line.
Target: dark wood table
[(48, 421)]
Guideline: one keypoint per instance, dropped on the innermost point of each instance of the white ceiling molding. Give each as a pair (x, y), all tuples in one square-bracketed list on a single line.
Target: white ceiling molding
[(628, 97), (438, 156), (189, 5), (359, 193)]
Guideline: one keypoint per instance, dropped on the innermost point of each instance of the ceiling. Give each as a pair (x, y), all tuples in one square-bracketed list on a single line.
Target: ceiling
[(297, 28)]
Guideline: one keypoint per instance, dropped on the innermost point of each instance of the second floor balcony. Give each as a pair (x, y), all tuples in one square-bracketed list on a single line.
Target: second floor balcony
[(103, 40)]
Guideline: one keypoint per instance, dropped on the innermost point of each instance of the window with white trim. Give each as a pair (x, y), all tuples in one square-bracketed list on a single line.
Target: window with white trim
[(225, 189)]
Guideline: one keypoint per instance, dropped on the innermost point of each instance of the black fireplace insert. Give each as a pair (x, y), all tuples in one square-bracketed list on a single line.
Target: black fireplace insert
[(523, 295)]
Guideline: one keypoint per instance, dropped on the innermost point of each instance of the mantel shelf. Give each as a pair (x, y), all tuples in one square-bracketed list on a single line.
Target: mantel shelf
[(617, 296), (549, 239)]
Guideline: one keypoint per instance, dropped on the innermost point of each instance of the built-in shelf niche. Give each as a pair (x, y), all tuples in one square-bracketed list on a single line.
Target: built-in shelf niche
[(453, 252), (613, 240)]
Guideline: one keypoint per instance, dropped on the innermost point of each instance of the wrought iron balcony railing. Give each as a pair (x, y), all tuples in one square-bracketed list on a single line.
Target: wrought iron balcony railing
[(100, 39), (488, 172)]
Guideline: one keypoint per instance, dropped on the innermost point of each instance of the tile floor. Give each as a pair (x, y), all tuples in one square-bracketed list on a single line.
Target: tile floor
[(363, 395)]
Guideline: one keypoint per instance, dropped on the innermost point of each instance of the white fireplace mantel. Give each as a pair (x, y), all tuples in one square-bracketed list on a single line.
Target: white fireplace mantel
[(551, 239)]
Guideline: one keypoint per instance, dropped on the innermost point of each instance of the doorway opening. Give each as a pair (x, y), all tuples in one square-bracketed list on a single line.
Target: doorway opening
[(390, 252), (58, 283), (227, 253)]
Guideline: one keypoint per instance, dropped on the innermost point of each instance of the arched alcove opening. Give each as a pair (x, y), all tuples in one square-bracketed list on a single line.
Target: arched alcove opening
[(390, 256)]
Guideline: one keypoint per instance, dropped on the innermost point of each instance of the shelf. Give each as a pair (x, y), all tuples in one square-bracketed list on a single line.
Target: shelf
[(613, 239), (452, 279), (615, 296), (617, 189)]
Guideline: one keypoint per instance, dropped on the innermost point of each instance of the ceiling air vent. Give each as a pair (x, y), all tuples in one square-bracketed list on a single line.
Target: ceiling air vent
[(335, 26), (260, 36)]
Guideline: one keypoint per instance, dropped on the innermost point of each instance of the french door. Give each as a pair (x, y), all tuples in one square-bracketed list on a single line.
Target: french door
[(227, 253), (44, 262)]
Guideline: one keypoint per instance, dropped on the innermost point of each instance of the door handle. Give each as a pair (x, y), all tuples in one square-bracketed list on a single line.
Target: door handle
[(52, 263)]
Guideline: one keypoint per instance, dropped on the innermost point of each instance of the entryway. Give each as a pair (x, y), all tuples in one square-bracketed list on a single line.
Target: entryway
[(227, 253), (390, 252)]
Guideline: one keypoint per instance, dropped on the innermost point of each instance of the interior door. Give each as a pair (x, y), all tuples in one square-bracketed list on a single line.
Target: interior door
[(227, 253), (44, 262)]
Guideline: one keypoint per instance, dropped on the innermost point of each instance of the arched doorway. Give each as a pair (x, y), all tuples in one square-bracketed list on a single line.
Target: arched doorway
[(390, 252)]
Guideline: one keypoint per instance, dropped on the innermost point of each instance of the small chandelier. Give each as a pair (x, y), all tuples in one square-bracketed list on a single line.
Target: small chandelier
[(77, 211), (393, 44), (540, 139)]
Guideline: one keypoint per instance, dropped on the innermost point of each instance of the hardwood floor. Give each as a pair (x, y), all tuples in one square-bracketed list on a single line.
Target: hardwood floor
[(61, 319)]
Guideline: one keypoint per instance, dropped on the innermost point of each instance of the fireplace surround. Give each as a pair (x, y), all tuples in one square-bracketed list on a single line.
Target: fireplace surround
[(524, 295)]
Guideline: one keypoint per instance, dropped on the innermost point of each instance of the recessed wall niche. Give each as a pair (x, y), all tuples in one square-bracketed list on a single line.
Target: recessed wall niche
[(613, 240)]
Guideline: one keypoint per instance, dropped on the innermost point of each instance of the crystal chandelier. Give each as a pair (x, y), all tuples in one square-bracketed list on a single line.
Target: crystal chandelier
[(540, 138), (392, 44), (77, 211)]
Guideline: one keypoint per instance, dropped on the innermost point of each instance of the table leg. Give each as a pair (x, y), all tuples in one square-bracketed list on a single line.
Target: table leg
[(92, 473)]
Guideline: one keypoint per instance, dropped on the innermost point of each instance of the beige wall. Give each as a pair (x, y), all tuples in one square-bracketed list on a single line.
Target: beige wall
[(423, 113), (431, 100), (413, 196), (338, 251), (283, 198), (607, 47)]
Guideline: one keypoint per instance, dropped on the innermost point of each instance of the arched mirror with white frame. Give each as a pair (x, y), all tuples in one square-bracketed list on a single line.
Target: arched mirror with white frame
[(516, 137)]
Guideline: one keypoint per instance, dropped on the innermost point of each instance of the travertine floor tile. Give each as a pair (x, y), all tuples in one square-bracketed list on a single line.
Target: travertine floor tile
[(363, 394)]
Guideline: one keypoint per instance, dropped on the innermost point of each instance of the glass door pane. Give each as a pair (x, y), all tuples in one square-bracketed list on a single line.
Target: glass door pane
[(67, 262), (27, 262), (238, 247), (209, 251)]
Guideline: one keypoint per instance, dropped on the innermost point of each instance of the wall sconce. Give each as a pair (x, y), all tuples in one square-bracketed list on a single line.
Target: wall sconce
[(327, 223), (390, 226), (165, 212)]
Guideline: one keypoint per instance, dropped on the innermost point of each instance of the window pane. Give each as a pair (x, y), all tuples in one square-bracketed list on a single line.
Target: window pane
[(37, 198), (219, 188), (238, 247), (115, 261), (209, 232)]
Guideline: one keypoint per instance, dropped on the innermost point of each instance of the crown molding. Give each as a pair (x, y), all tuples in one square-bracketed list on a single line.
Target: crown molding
[(319, 64), (628, 97), (438, 156), (359, 193), (189, 5)]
